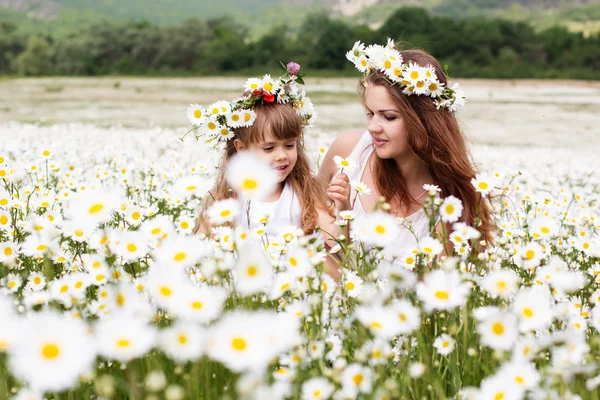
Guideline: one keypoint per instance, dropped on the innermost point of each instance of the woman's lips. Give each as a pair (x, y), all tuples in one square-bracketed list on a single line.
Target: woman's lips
[(379, 142)]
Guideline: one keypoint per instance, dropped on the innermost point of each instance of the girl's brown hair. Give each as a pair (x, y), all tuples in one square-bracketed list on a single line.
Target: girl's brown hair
[(283, 124), (436, 139)]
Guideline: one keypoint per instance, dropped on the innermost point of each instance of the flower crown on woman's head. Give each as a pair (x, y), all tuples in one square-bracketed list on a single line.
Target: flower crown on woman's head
[(414, 78), (217, 122)]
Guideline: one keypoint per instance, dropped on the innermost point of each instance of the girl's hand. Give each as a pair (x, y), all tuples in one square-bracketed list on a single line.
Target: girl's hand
[(339, 191)]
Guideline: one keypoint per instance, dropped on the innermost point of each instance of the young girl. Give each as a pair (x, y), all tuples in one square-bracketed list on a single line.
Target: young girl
[(412, 139), (276, 113)]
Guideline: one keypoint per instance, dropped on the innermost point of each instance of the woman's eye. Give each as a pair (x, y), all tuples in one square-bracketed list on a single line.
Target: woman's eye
[(267, 148), (390, 117), (291, 145)]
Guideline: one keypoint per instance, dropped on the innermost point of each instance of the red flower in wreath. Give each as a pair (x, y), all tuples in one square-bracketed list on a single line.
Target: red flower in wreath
[(268, 97)]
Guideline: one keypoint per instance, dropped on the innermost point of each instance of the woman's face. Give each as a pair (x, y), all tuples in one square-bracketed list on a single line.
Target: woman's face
[(385, 123)]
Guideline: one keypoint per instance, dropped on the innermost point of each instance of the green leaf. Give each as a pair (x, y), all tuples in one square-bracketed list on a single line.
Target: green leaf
[(283, 65)]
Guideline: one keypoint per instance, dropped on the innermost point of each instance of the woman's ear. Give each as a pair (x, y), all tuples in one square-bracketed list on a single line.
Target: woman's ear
[(239, 145)]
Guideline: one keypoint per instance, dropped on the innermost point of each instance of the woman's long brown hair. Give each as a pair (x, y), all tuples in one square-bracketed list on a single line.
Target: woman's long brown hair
[(436, 139), (282, 122)]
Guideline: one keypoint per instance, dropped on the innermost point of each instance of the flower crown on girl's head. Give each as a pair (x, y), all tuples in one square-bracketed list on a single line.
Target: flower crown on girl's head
[(414, 78), (216, 122)]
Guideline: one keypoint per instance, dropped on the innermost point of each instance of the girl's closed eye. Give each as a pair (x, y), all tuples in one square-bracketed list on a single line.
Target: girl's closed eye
[(389, 117)]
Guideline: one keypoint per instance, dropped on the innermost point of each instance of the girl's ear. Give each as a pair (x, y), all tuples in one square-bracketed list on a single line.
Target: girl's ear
[(239, 145)]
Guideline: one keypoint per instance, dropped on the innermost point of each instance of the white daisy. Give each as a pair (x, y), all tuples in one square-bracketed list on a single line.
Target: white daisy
[(442, 290), (123, 337), (483, 184), (182, 341), (317, 388), (451, 209), (219, 108), (444, 344), (360, 187), (254, 272), (377, 229), (51, 352), (250, 176), (498, 330), (224, 211), (343, 163), (196, 114)]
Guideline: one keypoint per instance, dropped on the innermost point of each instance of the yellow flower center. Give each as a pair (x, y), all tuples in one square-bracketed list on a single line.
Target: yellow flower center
[(483, 185), (50, 351), (180, 257), (7, 251), (349, 285), (498, 328), (239, 344), (414, 75), (197, 113), (380, 229), (182, 339), (197, 305), (123, 343), (442, 295), (165, 291), (529, 254), (357, 379), (131, 247), (249, 184), (96, 208), (251, 270), (449, 209), (528, 312)]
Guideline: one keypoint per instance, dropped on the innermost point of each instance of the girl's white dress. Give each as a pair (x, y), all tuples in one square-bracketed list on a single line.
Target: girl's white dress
[(418, 220), (284, 214)]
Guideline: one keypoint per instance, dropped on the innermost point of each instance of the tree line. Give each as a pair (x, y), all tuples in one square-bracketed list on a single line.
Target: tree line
[(482, 48)]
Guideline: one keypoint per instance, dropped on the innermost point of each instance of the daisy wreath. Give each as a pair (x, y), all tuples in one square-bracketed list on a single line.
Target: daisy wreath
[(414, 78), (216, 123)]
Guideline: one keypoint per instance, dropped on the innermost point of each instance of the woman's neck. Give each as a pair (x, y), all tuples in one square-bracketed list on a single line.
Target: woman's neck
[(415, 172)]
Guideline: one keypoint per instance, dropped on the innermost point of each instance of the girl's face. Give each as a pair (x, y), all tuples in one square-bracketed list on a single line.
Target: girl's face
[(280, 154), (386, 124)]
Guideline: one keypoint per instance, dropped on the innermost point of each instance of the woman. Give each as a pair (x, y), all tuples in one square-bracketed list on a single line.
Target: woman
[(412, 140)]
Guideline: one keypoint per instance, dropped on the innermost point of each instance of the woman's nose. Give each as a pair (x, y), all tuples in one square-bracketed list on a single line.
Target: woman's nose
[(373, 125)]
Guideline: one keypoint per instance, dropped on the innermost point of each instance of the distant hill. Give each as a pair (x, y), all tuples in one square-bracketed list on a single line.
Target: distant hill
[(60, 16)]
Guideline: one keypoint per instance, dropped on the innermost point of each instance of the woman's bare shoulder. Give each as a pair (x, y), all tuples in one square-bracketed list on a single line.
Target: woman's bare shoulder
[(345, 142)]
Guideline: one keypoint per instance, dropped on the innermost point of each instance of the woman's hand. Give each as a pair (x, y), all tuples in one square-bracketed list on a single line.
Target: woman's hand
[(339, 191)]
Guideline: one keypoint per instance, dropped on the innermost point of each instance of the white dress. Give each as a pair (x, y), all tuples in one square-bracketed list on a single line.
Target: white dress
[(283, 213), (418, 220)]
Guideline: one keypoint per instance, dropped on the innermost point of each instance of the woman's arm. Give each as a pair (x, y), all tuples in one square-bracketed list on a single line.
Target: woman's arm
[(342, 146)]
